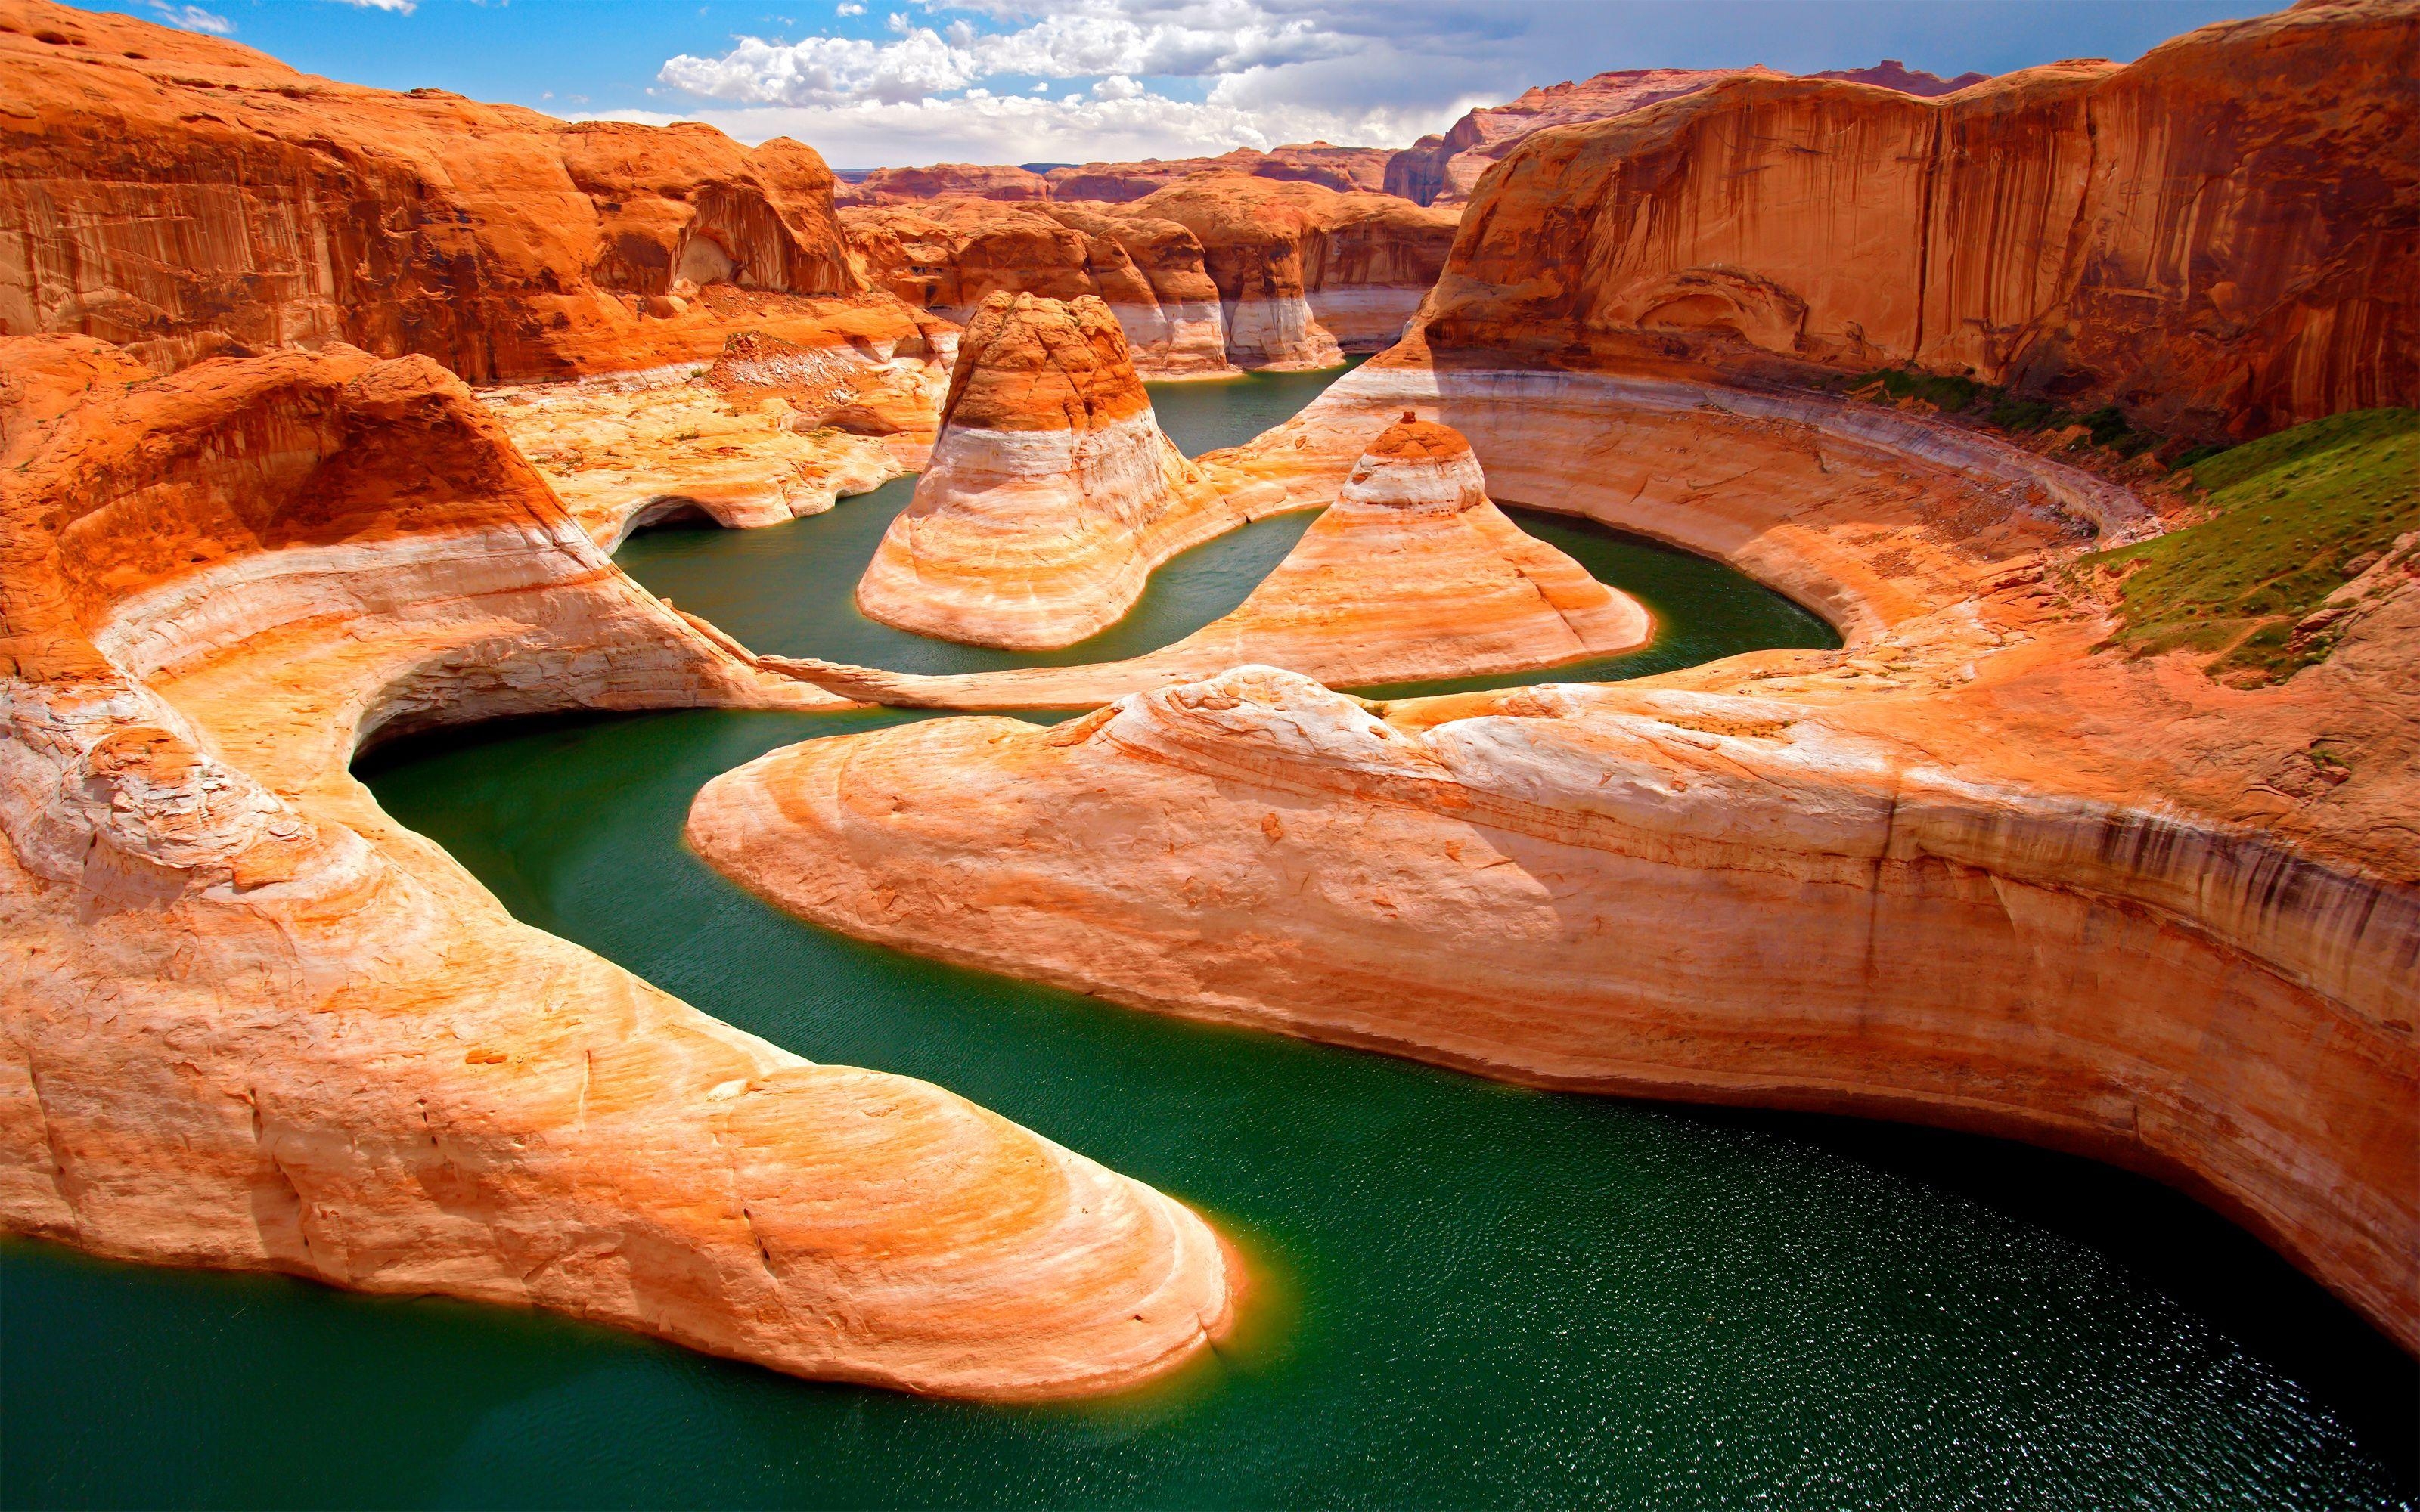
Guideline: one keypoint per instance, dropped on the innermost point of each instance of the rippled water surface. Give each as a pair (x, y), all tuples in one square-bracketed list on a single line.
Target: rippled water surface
[(1473, 1295)]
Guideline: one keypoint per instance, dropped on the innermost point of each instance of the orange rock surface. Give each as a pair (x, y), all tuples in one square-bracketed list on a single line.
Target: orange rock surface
[(949, 256), (1306, 273), (1343, 169), (2221, 237), (1967, 870), (1214, 269), (1411, 572), (1051, 493), (1445, 169), (188, 196), (945, 180), (246, 1020)]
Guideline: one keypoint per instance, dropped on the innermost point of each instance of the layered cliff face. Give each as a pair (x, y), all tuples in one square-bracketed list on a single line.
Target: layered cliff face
[(951, 254), (187, 196), (1215, 271), (2218, 237), (248, 1022), (1444, 169), (1049, 491), (1304, 273), (1411, 572), (1342, 169), (944, 180)]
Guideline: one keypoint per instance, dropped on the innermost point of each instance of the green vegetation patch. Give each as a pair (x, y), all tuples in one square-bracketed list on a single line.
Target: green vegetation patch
[(2299, 512), (1981, 401)]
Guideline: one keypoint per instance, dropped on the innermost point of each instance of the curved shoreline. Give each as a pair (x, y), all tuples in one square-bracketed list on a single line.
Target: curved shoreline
[(1996, 824)]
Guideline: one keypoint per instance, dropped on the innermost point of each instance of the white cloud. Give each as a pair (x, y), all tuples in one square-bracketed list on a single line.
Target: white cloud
[(194, 18), (1116, 86), (851, 8), (826, 71), (985, 128), (401, 7)]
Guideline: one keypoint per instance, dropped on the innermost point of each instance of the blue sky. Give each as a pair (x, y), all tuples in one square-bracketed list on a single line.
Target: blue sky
[(907, 82)]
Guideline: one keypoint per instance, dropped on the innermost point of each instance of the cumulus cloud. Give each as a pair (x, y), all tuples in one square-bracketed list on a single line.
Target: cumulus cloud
[(1089, 39), (827, 71), (401, 7), (957, 80), (194, 18), (1026, 128)]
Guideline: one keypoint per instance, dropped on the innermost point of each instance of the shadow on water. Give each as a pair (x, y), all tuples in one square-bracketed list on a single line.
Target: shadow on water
[(1494, 1296)]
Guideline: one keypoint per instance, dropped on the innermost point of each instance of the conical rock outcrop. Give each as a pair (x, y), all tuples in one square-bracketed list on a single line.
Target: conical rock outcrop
[(1034, 526)]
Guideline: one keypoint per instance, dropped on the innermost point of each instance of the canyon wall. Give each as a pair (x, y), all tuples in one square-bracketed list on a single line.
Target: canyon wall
[(2219, 237), (1342, 169), (942, 181), (1306, 274), (1445, 168), (1213, 272), (185, 196), (949, 256), (248, 1022)]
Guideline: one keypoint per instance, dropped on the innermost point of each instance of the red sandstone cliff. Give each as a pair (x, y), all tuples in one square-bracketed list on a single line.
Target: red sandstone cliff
[(1343, 169), (944, 180), (2223, 238), (1444, 169), (187, 196), (949, 256), (1215, 269), (1306, 273)]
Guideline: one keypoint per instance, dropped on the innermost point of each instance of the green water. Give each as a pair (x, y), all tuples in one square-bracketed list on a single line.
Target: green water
[(1483, 1296), (788, 588)]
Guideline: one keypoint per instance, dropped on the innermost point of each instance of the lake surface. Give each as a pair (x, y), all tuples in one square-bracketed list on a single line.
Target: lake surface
[(1479, 1295)]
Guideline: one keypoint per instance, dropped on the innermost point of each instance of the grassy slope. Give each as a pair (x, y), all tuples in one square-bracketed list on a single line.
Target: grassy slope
[(2295, 509)]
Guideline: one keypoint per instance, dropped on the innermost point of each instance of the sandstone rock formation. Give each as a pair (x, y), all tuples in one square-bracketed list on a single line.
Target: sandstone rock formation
[(1213, 271), (1342, 169), (246, 1020), (951, 254), (1967, 870), (944, 180), (1304, 273), (767, 433), (1890, 73), (2220, 237), (189, 196), (1412, 573), (1444, 169), (1051, 493)]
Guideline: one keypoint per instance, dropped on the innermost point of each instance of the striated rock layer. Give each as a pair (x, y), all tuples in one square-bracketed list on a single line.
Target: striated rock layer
[(1215, 270), (248, 1022), (1342, 169), (1051, 493), (943, 180), (769, 431), (1306, 274), (2219, 237), (1446, 169), (949, 256), (189, 196), (1967, 870), (1411, 572)]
